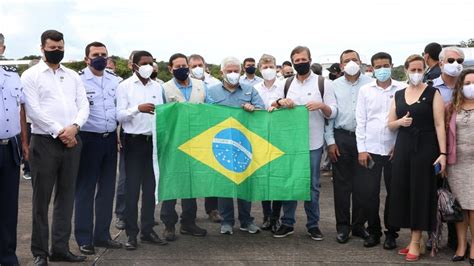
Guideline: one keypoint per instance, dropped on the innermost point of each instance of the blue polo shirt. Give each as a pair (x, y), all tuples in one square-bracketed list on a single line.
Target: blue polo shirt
[(243, 94)]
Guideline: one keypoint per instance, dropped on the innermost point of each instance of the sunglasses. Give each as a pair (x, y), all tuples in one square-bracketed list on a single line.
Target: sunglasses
[(459, 60)]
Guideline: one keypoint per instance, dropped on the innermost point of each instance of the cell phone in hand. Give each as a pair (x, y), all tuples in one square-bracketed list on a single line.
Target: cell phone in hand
[(437, 168), (371, 163)]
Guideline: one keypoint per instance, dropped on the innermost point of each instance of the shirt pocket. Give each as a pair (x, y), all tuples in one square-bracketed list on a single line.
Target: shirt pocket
[(15, 94), (245, 97)]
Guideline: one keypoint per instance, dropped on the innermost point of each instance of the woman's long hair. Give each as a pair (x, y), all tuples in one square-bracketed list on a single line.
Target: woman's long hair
[(458, 96)]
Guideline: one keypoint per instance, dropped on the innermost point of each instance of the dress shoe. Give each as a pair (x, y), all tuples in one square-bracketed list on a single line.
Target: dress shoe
[(68, 257), (108, 244), (153, 238), (40, 261), (471, 261), (412, 257), (390, 243), (456, 258), (169, 233), (342, 238), (371, 241), (362, 233), (87, 249), (192, 229), (120, 224), (403, 251), (131, 243)]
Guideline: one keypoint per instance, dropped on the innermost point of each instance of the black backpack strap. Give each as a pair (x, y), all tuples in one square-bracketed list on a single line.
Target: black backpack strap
[(321, 90), (287, 85)]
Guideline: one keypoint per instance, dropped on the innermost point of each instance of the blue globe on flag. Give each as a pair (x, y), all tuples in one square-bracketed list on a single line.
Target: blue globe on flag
[(232, 149)]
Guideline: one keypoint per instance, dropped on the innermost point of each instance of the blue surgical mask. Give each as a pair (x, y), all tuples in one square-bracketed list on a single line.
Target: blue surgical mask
[(383, 74)]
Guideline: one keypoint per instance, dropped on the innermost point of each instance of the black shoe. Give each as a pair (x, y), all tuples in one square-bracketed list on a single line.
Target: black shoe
[(131, 243), (283, 231), (87, 249), (315, 234), (153, 238), (169, 233), (274, 225), (120, 224), (456, 258), (471, 261), (266, 225), (371, 241), (362, 233), (112, 244), (40, 261), (342, 238), (68, 257), (389, 243), (429, 244), (192, 229)]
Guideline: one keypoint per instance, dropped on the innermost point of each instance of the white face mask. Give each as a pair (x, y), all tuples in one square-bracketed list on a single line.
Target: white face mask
[(232, 78), (468, 91), (351, 68), (415, 78), (453, 69), (197, 72), (145, 71), (268, 73)]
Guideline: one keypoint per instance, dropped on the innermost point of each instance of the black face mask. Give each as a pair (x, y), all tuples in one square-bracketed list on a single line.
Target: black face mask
[(332, 76), (54, 57), (250, 70), (302, 68), (181, 74), (153, 75)]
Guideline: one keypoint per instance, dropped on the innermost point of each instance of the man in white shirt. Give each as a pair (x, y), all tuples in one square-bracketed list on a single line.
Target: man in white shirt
[(374, 144), (304, 90), (270, 90), (57, 105), (198, 67), (136, 100)]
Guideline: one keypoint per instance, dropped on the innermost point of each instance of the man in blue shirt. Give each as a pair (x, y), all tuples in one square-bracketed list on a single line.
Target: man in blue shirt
[(249, 78), (11, 113), (95, 185), (342, 149), (231, 93), (181, 88)]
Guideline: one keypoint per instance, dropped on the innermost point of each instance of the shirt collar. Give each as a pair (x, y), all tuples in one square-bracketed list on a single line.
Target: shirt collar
[(438, 81), (311, 76), (236, 89), (182, 86), (44, 67), (89, 75)]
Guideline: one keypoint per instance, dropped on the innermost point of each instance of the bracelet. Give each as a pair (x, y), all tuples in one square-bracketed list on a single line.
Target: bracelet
[(443, 153)]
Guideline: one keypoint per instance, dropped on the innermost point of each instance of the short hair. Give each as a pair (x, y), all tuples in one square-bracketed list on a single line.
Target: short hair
[(248, 59), (138, 55), (176, 56), (266, 59), (445, 50), (230, 61), (197, 56), (433, 49), (94, 44), (2, 38), (380, 55), (347, 52), (413, 58), (287, 63), (317, 68), (52, 35), (300, 49)]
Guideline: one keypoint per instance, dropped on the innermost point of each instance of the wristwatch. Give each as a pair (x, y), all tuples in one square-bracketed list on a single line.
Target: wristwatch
[(77, 127)]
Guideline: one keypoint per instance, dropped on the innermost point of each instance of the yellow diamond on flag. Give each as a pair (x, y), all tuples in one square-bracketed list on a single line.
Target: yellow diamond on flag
[(231, 149)]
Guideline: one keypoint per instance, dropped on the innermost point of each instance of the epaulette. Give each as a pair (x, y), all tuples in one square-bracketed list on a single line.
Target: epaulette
[(80, 72), (111, 72), (10, 68)]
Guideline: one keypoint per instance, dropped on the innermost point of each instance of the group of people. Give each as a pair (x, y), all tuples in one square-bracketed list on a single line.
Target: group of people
[(84, 124)]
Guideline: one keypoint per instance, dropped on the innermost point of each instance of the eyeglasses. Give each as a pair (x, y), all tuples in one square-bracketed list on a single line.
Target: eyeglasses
[(459, 60)]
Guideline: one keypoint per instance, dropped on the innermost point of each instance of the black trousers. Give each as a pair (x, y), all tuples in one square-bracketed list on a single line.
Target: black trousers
[(371, 202), (210, 204), (346, 172), (139, 171), (169, 216), (120, 194), (271, 209), (95, 188), (53, 165), (9, 184)]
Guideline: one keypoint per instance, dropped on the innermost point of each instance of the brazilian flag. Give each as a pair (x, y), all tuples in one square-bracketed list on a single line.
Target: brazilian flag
[(212, 150)]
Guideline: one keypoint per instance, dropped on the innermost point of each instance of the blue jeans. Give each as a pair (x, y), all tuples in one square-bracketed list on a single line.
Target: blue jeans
[(226, 210), (311, 207)]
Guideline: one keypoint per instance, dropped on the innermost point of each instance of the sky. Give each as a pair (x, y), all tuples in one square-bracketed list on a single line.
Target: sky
[(245, 28)]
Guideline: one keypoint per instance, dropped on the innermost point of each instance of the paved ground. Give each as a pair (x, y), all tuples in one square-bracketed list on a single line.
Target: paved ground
[(240, 248)]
